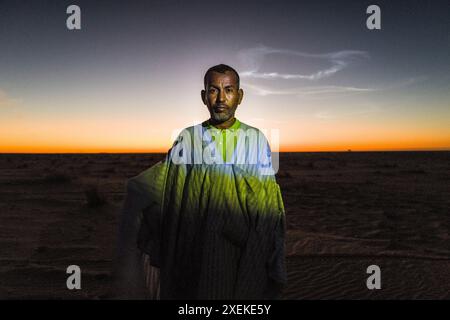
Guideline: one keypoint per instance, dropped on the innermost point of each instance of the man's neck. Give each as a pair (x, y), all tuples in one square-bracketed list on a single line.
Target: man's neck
[(223, 125)]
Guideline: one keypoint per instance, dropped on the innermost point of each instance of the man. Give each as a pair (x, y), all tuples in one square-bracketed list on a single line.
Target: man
[(208, 221)]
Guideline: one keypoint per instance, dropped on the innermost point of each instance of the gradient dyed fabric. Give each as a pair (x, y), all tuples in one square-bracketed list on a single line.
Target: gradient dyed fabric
[(215, 230)]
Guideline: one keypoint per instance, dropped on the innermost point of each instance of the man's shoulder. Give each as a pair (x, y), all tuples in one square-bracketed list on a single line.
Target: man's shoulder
[(245, 126), (256, 131)]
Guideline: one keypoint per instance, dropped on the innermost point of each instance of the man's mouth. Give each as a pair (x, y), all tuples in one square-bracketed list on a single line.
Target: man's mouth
[(220, 108)]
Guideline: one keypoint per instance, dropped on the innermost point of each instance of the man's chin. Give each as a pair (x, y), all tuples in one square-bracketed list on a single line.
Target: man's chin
[(220, 117)]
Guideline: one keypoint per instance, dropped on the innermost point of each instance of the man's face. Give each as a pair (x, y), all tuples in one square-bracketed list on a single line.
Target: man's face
[(222, 95)]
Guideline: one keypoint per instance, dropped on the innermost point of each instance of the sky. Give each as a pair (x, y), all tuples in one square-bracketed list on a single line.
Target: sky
[(311, 71)]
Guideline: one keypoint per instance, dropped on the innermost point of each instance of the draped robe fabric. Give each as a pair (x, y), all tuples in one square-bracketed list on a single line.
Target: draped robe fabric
[(196, 230)]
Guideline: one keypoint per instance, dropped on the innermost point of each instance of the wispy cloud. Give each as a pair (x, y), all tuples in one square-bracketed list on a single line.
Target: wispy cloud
[(266, 91), (307, 91), (253, 59), (404, 83), (328, 91), (253, 62)]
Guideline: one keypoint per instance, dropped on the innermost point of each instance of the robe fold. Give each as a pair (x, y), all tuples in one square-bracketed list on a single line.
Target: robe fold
[(195, 230)]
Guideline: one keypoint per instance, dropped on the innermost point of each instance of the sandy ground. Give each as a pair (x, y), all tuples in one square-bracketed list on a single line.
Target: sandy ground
[(345, 211)]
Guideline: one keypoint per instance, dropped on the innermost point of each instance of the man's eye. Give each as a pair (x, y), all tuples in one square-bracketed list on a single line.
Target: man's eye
[(229, 90), (212, 90)]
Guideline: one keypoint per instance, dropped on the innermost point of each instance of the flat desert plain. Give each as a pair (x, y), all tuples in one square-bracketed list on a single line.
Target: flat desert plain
[(345, 211)]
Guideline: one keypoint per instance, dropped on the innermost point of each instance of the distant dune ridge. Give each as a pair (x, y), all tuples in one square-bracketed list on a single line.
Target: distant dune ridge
[(345, 211)]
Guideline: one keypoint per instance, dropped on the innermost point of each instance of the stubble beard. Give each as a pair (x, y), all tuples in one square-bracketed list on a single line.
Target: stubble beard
[(221, 117)]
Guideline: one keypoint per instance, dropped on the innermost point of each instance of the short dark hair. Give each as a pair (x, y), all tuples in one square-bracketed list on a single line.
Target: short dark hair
[(220, 68)]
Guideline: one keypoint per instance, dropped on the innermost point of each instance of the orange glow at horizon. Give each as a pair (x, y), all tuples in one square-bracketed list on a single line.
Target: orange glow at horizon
[(119, 135), (289, 148)]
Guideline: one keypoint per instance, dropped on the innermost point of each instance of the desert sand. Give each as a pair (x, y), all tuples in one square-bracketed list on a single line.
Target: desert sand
[(345, 211)]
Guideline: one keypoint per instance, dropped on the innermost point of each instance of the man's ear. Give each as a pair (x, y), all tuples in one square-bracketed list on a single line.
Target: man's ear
[(203, 94), (241, 95)]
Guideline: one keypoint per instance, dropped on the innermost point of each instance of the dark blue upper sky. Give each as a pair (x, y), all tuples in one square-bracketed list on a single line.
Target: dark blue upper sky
[(299, 61)]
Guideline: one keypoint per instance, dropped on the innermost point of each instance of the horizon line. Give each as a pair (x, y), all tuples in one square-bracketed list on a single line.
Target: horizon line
[(293, 151)]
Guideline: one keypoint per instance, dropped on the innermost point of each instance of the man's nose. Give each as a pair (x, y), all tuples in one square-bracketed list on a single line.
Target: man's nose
[(221, 96)]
